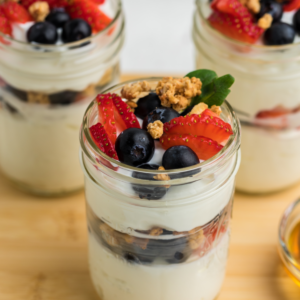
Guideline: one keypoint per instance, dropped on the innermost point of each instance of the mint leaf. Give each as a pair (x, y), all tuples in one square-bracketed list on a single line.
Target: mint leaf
[(206, 76)]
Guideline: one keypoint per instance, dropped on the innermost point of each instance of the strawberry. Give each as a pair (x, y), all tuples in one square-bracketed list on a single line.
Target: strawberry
[(200, 125), (123, 114), (5, 26), (106, 115), (101, 139), (231, 7), (291, 5), (99, 2), (273, 113), (15, 12), (52, 3), (205, 148), (90, 12), (210, 113)]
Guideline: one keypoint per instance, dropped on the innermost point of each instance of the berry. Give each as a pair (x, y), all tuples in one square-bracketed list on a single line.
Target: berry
[(273, 113), (102, 140), (296, 21), (90, 12), (279, 34), (5, 26), (291, 5), (15, 12), (150, 192), (163, 114), (146, 105), (123, 113), (200, 125), (20, 94), (106, 116), (52, 3), (269, 7), (135, 146), (42, 33), (58, 17), (232, 19), (76, 30), (187, 111), (63, 98), (204, 148)]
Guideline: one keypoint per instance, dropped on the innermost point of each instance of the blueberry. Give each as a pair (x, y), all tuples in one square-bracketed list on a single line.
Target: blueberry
[(270, 7), (135, 146), (163, 114), (296, 21), (63, 98), (58, 17), (178, 157), (42, 33), (146, 105), (187, 110), (279, 34), (21, 95), (75, 30), (148, 192)]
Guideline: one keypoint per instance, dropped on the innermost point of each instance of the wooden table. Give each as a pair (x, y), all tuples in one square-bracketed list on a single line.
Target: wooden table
[(43, 248)]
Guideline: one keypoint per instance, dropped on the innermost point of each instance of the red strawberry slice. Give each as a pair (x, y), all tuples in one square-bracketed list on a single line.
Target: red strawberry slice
[(273, 113), (106, 115), (205, 148), (200, 125), (15, 12), (292, 5), (99, 2), (101, 139), (52, 3), (210, 113), (4, 25), (123, 113), (232, 7), (90, 12)]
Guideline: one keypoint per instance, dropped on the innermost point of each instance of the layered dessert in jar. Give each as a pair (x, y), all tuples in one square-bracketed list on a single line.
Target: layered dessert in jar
[(258, 43), (55, 57), (160, 157)]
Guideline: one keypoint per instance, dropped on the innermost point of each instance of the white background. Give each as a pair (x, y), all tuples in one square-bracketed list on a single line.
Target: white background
[(158, 37)]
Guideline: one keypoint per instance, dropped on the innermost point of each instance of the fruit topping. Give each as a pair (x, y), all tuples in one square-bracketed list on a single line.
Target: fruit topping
[(102, 140), (272, 8), (15, 12), (205, 148), (4, 25), (135, 146), (296, 21), (42, 33), (149, 192), (163, 114), (89, 12), (147, 104), (106, 115), (273, 113), (200, 125), (39, 10), (291, 5), (58, 17), (76, 30), (63, 98), (279, 34)]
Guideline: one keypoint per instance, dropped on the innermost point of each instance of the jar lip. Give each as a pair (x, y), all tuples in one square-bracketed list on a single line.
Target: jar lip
[(72, 44), (239, 43), (228, 150)]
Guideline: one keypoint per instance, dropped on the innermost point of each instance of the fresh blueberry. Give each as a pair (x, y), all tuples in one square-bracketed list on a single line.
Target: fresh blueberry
[(178, 157), (296, 21), (279, 34), (58, 17), (270, 7), (76, 30), (148, 192), (42, 33), (21, 95), (135, 146), (146, 105), (163, 114), (63, 98)]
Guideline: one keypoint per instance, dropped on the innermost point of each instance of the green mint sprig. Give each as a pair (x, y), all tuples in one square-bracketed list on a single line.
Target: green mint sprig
[(214, 89)]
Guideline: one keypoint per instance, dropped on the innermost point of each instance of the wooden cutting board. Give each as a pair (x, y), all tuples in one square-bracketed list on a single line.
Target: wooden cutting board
[(43, 248)]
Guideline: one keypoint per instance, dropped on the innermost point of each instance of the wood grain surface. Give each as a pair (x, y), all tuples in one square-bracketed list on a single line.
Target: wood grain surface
[(43, 248)]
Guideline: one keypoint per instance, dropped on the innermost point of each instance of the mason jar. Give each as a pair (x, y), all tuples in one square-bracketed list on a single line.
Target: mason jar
[(44, 92), (267, 84), (143, 248)]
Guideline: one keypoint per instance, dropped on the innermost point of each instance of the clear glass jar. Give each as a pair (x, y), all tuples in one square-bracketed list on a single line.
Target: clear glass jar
[(266, 77), (158, 249), (44, 91)]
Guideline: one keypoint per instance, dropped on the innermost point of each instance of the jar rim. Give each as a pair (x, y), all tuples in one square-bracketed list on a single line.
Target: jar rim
[(72, 44), (228, 150), (239, 43)]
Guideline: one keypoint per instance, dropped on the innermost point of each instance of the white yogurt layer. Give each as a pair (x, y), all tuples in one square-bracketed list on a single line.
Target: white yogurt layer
[(115, 278)]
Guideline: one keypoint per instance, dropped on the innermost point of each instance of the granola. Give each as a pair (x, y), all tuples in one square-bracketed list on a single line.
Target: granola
[(34, 97), (134, 91), (265, 21), (196, 239), (156, 129), (199, 108), (39, 10), (216, 109), (162, 177)]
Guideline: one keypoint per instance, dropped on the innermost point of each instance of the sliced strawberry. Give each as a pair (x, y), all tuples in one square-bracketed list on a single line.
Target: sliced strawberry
[(291, 5), (231, 7), (99, 2), (200, 125), (52, 3), (90, 12), (273, 113), (240, 28), (204, 148), (210, 113), (15, 12), (5, 26), (124, 114), (102, 140), (106, 115)]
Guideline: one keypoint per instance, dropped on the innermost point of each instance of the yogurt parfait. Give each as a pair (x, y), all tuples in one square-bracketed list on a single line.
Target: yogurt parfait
[(160, 157), (55, 57), (258, 43)]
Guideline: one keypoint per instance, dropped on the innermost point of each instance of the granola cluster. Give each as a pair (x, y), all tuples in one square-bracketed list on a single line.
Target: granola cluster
[(252, 5), (162, 177), (265, 21), (177, 93), (156, 129), (38, 98), (196, 239), (216, 109), (39, 10), (199, 108), (136, 90)]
